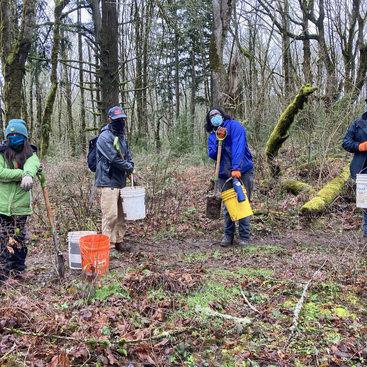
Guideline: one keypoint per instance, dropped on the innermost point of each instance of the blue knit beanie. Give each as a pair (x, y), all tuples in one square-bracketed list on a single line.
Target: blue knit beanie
[(16, 126)]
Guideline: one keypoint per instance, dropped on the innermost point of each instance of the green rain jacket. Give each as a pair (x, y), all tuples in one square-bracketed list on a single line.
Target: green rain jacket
[(13, 199)]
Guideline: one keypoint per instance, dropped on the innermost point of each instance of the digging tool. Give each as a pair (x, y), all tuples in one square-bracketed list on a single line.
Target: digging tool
[(60, 256), (116, 146), (221, 134), (214, 203)]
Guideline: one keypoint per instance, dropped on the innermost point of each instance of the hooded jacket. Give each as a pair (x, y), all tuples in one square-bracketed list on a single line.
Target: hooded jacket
[(356, 134), (111, 170), (13, 199), (236, 154)]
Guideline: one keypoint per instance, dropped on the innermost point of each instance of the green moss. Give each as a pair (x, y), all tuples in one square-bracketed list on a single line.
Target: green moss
[(295, 187), (341, 312), (327, 194), (315, 205), (280, 132)]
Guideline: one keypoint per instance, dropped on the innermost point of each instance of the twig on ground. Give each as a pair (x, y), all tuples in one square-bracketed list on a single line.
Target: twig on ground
[(209, 312), (165, 334), (253, 308), (299, 305)]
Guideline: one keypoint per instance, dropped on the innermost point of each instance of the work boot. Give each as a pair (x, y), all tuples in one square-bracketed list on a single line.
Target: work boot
[(226, 241), (243, 243), (122, 247)]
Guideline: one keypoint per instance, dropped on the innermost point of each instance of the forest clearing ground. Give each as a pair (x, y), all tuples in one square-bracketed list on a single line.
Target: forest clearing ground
[(179, 299)]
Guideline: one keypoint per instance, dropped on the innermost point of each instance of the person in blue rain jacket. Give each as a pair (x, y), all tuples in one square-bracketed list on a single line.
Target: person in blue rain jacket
[(236, 162)]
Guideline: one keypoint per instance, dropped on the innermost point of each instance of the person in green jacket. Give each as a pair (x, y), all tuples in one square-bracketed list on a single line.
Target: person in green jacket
[(18, 166)]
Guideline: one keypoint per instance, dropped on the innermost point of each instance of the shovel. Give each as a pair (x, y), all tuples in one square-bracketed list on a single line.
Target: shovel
[(213, 203), (60, 256)]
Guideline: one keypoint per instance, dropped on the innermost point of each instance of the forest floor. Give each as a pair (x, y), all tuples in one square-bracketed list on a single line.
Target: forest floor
[(296, 296)]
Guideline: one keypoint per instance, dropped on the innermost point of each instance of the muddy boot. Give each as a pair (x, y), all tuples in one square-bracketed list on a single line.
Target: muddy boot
[(122, 247), (226, 241), (243, 243)]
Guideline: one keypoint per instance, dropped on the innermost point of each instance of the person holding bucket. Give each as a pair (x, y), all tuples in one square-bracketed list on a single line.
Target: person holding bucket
[(111, 172), (355, 141), (235, 162), (18, 166)]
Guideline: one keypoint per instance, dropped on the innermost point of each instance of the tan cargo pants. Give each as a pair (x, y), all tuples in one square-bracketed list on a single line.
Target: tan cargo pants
[(113, 221)]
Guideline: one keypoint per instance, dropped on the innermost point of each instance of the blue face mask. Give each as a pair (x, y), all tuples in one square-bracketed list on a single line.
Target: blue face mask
[(15, 141), (216, 120)]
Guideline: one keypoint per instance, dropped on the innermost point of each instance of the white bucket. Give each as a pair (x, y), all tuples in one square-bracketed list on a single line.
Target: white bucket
[(75, 260), (133, 202), (361, 191)]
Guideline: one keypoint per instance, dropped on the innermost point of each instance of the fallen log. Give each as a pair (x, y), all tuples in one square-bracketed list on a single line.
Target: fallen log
[(327, 194), (296, 187)]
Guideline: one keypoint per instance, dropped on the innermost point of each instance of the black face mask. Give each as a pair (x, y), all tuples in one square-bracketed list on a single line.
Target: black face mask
[(118, 125)]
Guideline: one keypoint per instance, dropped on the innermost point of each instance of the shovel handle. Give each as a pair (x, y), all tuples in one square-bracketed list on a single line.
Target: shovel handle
[(48, 209), (219, 153)]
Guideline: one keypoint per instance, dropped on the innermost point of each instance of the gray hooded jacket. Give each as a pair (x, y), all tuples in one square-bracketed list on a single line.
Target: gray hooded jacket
[(111, 169)]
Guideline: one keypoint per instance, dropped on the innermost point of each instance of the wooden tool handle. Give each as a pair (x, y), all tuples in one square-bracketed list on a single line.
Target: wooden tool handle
[(219, 153), (48, 208)]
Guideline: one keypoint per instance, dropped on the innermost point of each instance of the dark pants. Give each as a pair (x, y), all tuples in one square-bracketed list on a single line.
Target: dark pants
[(13, 250), (244, 223)]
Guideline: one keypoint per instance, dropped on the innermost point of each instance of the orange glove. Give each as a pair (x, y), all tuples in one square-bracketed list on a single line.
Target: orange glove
[(363, 147), (236, 174), (221, 133)]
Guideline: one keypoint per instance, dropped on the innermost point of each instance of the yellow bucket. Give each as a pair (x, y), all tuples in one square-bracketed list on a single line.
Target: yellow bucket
[(235, 209)]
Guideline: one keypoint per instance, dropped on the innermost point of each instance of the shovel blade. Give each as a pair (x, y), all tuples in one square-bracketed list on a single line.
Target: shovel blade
[(213, 207)]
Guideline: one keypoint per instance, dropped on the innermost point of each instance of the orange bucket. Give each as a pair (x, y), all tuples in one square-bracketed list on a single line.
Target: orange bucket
[(95, 253)]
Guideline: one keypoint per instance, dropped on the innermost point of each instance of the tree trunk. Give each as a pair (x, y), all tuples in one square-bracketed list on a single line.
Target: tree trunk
[(192, 101), (83, 124), (286, 51), (177, 76), (68, 97), (106, 29), (48, 109), (306, 7), (222, 10), (15, 44)]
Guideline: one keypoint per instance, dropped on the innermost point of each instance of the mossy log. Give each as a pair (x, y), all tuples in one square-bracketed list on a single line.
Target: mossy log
[(295, 187), (327, 194), (280, 132)]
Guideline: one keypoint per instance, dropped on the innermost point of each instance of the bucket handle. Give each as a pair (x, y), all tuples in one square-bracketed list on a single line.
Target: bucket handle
[(231, 178), (362, 171)]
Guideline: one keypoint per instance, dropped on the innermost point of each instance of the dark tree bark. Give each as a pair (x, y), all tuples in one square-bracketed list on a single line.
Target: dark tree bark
[(106, 32), (15, 44)]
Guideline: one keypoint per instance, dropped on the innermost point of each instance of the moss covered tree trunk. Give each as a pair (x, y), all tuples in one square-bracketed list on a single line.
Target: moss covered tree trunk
[(280, 132), (48, 109), (15, 44)]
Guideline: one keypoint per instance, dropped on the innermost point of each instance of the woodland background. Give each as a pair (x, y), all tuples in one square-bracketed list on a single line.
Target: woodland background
[(66, 63), (296, 296)]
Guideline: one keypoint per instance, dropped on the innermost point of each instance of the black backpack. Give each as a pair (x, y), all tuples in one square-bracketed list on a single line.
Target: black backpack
[(92, 154)]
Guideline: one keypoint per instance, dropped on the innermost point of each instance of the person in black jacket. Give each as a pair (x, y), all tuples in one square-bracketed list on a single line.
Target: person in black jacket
[(111, 173), (355, 141)]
